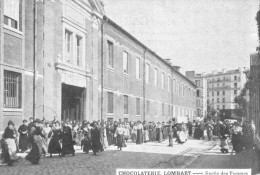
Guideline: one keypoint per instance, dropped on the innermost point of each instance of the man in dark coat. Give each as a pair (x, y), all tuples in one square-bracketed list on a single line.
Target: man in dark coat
[(67, 141), (23, 139), (95, 139)]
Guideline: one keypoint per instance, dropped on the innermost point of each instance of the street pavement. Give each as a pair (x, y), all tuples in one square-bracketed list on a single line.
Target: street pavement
[(148, 155), (214, 159)]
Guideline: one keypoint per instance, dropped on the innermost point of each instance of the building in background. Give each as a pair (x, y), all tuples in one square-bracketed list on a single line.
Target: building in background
[(201, 93), (49, 60), (223, 87), (66, 58), (138, 84)]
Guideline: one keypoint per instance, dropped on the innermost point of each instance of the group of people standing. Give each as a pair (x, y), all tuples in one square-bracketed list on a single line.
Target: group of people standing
[(240, 134), (40, 137)]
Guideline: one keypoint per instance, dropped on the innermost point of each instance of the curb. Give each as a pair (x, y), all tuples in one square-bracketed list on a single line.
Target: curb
[(196, 157)]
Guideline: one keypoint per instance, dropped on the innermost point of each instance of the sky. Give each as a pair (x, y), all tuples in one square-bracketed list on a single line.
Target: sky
[(199, 35)]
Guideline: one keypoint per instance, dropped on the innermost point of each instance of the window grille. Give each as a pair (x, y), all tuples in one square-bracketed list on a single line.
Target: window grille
[(12, 89)]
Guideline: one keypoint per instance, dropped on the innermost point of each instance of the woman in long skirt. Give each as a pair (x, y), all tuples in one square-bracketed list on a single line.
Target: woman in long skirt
[(119, 134), (159, 134), (67, 141), (87, 138), (224, 138), (95, 139), (36, 142), (134, 133), (9, 144), (105, 136), (146, 133), (23, 139), (139, 136), (55, 137)]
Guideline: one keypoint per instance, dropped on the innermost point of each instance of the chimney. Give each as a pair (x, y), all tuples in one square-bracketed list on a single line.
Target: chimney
[(169, 61), (177, 68), (190, 75)]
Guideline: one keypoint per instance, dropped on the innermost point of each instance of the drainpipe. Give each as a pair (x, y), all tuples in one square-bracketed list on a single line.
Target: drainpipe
[(34, 54), (102, 65), (144, 84)]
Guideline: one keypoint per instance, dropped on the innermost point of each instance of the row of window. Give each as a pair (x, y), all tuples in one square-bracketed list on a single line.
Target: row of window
[(224, 107), (235, 78), (223, 93), (166, 109), (235, 85), (166, 81), (223, 100)]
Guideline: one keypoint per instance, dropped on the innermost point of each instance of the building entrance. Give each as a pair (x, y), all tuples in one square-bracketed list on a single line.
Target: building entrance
[(72, 103)]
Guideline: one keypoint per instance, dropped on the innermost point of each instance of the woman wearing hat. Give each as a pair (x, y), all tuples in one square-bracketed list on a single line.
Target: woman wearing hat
[(9, 152), (67, 141), (35, 138), (23, 139), (55, 136), (139, 136), (95, 139), (159, 133), (86, 142), (119, 134)]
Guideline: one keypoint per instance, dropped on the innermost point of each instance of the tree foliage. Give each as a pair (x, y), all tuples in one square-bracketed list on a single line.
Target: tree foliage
[(258, 23), (242, 102), (210, 110)]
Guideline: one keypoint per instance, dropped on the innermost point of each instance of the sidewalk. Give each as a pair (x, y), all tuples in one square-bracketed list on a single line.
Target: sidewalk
[(214, 159)]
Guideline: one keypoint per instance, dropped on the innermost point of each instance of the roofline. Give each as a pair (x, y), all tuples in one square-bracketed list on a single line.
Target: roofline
[(146, 48)]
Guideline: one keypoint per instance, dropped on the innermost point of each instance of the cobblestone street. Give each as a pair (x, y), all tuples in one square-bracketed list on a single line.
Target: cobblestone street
[(149, 155)]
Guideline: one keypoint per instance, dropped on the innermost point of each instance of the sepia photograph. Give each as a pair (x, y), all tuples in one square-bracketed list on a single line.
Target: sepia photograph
[(129, 87)]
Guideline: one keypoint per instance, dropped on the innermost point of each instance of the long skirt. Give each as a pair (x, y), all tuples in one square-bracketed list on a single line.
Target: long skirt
[(54, 146), (36, 151), (96, 145), (45, 146), (224, 143), (110, 139), (159, 135), (146, 135), (237, 142), (120, 140), (133, 136), (67, 146), (23, 142), (10, 150), (181, 136), (86, 142), (105, 142), (139, 136)]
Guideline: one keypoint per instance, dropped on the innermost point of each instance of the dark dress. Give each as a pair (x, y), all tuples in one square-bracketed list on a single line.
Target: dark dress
[(67, 141), (86, 143), (95, 140), (8, 134), (36, 143), (54, 145), (159, 134), (23, 139), (139, 136)]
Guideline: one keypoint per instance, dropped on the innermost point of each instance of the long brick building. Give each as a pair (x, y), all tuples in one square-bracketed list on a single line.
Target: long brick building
[(66, 58)]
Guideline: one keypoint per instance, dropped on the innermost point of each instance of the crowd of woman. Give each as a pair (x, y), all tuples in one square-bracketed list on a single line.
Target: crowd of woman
[(41, 137)]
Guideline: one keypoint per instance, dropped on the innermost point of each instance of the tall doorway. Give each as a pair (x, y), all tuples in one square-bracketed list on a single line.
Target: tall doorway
[(72, 103)]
